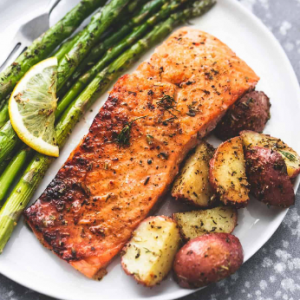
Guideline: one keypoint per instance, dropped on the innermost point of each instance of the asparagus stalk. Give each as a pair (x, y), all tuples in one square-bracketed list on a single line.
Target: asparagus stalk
[(12, 170), (4, 115), (45, 44), (89, 37), (129, 40), (9, 139), (4, 164), (34, 173), (66, 47), (95, 54)]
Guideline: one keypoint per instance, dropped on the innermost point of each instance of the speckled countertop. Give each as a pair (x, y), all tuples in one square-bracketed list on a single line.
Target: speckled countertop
[(274, 272)]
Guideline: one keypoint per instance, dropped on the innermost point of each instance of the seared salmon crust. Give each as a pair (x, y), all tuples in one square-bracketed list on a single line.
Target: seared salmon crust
[(134, 147)]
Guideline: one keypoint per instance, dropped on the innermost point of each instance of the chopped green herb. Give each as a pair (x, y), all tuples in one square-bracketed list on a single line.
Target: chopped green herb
[(192, 111), (166, 122), (288, 155), (123, 137), (166, 102)]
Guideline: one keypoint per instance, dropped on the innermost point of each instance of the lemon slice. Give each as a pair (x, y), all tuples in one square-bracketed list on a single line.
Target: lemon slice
[(32, 107)]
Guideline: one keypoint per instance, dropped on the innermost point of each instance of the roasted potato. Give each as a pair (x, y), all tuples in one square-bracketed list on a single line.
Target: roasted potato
[(149, 255), (251, 112), (207, 259), (192, 184), (268, 178), (290, 156), (227, 173), (196, 223)]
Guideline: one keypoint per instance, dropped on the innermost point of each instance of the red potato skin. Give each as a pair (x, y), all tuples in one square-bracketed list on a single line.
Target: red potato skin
[(277, 146), (251, 112), (267, 175), (207, 259)]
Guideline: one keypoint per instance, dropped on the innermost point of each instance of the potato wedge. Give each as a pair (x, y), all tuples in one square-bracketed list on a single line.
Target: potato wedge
[(227, 173), (149, 255), (291, 157), (268, 178), (199, 222), (192, 184)]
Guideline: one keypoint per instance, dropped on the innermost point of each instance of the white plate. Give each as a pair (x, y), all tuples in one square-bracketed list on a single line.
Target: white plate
[(28, 263)]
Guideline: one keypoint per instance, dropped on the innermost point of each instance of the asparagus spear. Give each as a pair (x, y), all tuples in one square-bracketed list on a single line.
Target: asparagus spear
[(23, 191), (4, 164), (12, 170), (4, 115), (95, 54), (66, 46), (130, 39), (44, 45), (9, 139), (89, 37)]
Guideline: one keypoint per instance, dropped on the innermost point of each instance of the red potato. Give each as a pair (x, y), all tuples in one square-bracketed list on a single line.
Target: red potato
[(251, 112), (268, 178), (227, 173), (207, 259), (290, 156)]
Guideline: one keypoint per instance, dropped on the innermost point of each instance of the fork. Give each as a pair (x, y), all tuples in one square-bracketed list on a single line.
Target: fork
[(27, 33)]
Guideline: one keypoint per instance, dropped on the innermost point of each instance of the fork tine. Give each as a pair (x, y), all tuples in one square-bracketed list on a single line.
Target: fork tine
[(19, 48), (8, 52), (18, 45)]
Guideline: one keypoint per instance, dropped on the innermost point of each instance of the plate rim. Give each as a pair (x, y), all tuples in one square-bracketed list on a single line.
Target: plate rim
[(184, 292)]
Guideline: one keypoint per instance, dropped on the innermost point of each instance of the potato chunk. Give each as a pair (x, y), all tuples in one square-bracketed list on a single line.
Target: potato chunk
[(228, 173), (207, 259), (196, 223), (268, 178), (149, 255), (290, 156), (192, 184), (250, 112)]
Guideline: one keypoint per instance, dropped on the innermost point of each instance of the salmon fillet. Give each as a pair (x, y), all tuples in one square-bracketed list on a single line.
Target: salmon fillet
[(132, 152)]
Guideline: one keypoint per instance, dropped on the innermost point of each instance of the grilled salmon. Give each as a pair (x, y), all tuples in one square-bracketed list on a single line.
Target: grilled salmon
[(132, 152)]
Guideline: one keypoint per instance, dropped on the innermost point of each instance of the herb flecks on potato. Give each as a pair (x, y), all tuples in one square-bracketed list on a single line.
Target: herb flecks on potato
[(199, 222), (149, 255), (290, 156), (207, 259), (251, 112), (192, 184), (227, 173), (268, 178)]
